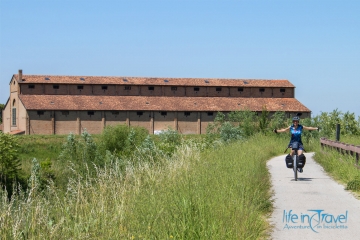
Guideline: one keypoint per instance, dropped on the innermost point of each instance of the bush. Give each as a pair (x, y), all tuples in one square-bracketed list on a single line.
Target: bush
[(169, 140), (354, 184), (228, 132), (9, 162), (121, 140)]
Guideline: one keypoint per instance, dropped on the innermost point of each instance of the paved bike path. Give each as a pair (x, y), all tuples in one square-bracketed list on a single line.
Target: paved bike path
[(314, 207)]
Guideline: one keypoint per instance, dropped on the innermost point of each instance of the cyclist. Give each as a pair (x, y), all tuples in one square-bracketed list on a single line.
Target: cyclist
[(296, 131)]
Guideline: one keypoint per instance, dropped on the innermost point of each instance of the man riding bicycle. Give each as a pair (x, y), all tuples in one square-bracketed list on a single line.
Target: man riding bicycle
[(296, 130)]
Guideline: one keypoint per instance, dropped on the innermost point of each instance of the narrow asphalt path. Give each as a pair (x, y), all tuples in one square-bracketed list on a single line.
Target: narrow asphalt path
[(314, 207)]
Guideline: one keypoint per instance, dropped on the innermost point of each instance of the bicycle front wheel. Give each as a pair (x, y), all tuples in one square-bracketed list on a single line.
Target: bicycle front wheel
[(295, 167)]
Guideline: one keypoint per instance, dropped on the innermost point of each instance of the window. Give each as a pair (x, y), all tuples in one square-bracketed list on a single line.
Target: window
[(196, 89), (282, 89), (163, 113), (187, 113), (14, 116), (240, 89), (210, 113), (115, 112), (80, 87), (139, 113), (218, 89), (127, 87), (104, 87), (56, 86), (40, 113), (91, 113), (151, 88), (173, 88), (31, 86), (65, 113), (262, 90)]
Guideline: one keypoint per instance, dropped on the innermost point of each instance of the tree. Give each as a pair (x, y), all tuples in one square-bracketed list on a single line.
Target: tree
[(2, 106)]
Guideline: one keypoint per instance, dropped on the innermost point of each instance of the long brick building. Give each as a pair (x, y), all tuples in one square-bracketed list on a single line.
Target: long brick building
[(40, 104)]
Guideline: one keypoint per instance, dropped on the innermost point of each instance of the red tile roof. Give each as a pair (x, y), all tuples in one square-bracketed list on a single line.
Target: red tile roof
[(17, 132), (153, 81), (143, 103)]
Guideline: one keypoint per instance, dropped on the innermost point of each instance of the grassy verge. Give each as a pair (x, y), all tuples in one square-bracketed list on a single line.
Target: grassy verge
[(217, 194), (342, 167)]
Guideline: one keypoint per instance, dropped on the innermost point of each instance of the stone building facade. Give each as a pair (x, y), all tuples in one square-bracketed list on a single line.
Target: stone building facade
[(40, 104)]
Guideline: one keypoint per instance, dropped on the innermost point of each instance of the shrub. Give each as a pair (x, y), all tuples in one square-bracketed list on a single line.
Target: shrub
[(169, 140), (278, 120), (121, 140), (228, 132), (264, 120), (9, 162), (354, 184)]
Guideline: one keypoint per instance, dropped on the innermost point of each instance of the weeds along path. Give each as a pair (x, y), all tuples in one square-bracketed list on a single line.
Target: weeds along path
[(314, 207)]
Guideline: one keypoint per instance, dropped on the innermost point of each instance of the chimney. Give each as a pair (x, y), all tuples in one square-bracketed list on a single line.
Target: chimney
[(20, 75)]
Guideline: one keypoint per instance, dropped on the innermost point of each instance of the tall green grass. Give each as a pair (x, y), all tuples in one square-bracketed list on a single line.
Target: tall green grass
[(343, 167), (221, 193)]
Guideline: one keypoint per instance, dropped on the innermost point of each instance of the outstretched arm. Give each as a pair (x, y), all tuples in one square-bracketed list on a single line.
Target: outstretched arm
[(311, 128), (281, 130)]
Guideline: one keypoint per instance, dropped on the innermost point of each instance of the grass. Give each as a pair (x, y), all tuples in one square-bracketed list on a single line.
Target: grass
[(342, 167), (355, 140), (221, 193)]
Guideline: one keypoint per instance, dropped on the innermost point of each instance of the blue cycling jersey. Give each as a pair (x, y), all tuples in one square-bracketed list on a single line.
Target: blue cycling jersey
[(296, 134)]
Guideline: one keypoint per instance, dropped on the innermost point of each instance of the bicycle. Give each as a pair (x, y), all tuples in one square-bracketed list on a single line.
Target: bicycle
[(296, 165)]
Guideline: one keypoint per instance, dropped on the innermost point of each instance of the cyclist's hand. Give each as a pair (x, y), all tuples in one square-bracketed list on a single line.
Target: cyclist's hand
[(318, 129), (275, 131)]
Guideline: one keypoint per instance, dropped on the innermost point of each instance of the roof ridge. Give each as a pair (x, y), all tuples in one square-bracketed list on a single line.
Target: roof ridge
[(134, 77)]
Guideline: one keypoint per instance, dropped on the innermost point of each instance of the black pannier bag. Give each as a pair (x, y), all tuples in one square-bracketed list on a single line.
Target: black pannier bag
[(289, 161), (301, 161)]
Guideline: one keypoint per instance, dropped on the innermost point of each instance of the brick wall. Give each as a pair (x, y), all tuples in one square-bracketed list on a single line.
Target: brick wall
[(115, 118), (80, 89), (196, 91), (283, 92), (128, 90), (54, 89), (32, 89), (240, 92), (151, 91), (187, 124), (65, 122), (206, 119), (164, 120), (261, 92), (218, 91), (40, 122), (173, 91), (140, 120), (105, 90), (92, 123)]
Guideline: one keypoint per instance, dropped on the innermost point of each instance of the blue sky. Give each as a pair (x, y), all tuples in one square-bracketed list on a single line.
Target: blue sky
[(313, 44)]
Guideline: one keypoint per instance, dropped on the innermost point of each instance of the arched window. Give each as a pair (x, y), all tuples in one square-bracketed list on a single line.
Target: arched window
[(14, 113)]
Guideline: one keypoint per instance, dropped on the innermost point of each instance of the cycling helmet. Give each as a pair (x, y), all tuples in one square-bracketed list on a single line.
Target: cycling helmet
[(296, 118)]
